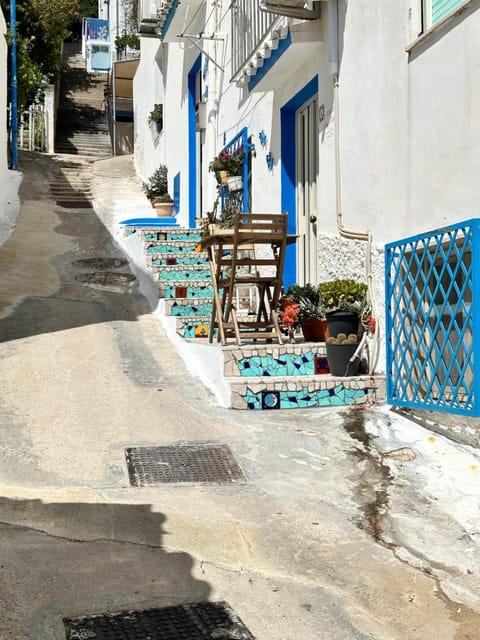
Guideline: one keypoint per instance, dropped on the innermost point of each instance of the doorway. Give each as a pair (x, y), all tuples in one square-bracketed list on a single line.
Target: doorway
[(306, 183)]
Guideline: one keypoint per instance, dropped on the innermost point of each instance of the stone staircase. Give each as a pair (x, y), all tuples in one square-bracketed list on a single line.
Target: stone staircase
[(71, 185), (81, 120), (259, 375)]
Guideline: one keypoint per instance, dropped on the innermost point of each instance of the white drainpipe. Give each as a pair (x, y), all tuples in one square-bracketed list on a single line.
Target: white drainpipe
[(350, 234)]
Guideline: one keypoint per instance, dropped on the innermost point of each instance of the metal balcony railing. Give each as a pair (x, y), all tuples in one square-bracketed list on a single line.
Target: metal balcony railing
[(250, 26)]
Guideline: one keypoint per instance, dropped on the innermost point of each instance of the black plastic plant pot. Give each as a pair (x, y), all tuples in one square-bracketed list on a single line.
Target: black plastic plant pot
[(338, 356), (342, 321)]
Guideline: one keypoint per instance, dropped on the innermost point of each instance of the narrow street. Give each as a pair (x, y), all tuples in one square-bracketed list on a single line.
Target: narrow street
[(348, 524)]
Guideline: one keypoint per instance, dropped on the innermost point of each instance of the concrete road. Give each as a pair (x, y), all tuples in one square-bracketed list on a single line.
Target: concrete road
[(327, 539)]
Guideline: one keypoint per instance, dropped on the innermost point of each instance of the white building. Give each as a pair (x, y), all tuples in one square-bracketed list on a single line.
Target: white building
[(362, 115)]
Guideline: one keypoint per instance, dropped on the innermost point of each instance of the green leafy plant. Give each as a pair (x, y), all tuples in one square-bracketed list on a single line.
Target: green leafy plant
[(156, 188), (156, 115), (127, 40), (309, 299), (344, 294)]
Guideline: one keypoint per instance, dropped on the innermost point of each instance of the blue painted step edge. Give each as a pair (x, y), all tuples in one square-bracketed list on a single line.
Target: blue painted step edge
[(150, 222)]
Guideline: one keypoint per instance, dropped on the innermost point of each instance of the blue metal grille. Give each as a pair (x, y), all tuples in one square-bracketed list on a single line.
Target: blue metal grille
[(430, 294), (238, 200)]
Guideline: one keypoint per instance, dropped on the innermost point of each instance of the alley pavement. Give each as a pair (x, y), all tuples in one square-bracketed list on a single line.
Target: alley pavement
[(349, 524)]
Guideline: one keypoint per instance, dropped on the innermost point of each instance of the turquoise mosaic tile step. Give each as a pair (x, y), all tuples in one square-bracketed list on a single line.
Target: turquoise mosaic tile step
[(172, 260), (286, 364), (276, 360), (174, 235), (309, 391), (303, 398), (183, 274), (194, 328), (193, 290), (178, 248), (191, 309)]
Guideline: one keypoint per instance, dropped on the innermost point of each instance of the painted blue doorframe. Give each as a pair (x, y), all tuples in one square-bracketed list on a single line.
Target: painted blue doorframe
[(288, 174), (192, 143)]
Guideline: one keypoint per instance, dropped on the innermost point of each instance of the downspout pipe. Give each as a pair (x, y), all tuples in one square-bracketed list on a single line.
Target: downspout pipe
[(350, 234)]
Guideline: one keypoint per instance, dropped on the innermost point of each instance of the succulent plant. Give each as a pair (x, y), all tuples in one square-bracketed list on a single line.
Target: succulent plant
[(342, 338)]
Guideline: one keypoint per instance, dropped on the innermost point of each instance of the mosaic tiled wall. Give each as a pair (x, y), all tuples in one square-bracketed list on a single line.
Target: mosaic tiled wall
[(193, 290), (278, 360), (291, 394)]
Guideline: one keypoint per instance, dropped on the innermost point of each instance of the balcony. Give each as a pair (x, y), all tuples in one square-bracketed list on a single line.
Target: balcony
[(263, 30), (166, 18)]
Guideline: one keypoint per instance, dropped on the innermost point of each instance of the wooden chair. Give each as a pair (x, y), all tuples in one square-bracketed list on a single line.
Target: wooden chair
[(253, 255)]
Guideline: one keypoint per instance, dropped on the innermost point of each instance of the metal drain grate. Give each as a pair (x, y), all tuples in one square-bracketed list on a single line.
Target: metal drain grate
[(182, 463), (201, 621), (100, 263), (105, 277)]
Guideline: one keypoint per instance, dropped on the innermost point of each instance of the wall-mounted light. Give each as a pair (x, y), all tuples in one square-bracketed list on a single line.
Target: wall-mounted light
[(269, 159), (263, 138)]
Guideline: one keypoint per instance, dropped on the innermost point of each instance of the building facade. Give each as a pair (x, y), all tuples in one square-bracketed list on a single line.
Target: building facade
[(360, 120)]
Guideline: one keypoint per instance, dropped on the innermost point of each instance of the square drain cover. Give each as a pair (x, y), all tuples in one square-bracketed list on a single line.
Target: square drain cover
[(182, 463), (202, 621)]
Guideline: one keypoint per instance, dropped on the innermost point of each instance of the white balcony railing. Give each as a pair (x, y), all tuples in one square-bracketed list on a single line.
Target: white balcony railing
[(250, 26)]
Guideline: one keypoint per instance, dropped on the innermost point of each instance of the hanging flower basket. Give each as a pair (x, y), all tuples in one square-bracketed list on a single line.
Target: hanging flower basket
[(222, 177), (235, 183)]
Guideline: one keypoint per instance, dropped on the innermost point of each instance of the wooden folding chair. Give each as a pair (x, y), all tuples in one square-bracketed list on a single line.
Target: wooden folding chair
[(253, 256)]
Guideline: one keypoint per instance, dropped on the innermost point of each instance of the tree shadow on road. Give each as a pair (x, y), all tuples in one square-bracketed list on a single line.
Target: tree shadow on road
[(74, 559)]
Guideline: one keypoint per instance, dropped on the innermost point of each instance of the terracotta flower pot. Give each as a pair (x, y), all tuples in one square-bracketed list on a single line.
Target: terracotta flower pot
[(315, 330), (164, 209)]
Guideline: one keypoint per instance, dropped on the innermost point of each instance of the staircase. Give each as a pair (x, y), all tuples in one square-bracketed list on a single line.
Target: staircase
[(259, 375), (81, 119)]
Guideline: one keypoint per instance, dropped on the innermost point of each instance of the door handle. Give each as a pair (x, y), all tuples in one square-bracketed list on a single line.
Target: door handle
[(313, 219)]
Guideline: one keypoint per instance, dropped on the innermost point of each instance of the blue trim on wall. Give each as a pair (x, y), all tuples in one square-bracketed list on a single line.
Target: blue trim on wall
[(288, 171), (192, 143), (169, 18), (269, 62), (176, 192)]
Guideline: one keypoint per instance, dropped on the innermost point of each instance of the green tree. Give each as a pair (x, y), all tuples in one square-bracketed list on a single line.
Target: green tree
[(42, 26)]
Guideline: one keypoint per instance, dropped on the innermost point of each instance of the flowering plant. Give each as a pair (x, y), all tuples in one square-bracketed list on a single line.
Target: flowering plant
[(289, 312), (230, 162)]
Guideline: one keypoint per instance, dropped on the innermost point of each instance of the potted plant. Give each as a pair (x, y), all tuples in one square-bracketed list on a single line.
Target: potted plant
[(227, 164), (340, 350), (156, 116), (311, 310), (344, 299), (156, 190)]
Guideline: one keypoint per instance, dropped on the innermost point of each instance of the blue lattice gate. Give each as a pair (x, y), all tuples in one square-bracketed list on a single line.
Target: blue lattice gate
[(433, 319)]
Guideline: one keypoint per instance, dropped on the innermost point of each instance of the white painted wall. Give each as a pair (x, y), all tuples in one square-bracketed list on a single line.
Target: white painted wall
[(149, 146), (408, 124), (3, 94)]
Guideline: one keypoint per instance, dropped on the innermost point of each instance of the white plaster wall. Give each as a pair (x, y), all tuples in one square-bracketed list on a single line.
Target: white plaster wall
[(409, 130), (3, 94), (149, 147), (443, 138)]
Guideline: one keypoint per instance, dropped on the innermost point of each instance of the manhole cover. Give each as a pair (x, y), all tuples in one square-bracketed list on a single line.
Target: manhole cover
[(105, 277), (202, 621), (182, 463), (100, 263)]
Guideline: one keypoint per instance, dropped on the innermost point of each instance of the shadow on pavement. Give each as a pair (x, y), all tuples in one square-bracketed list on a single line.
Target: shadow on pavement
[(74, 303), (62, 560)]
